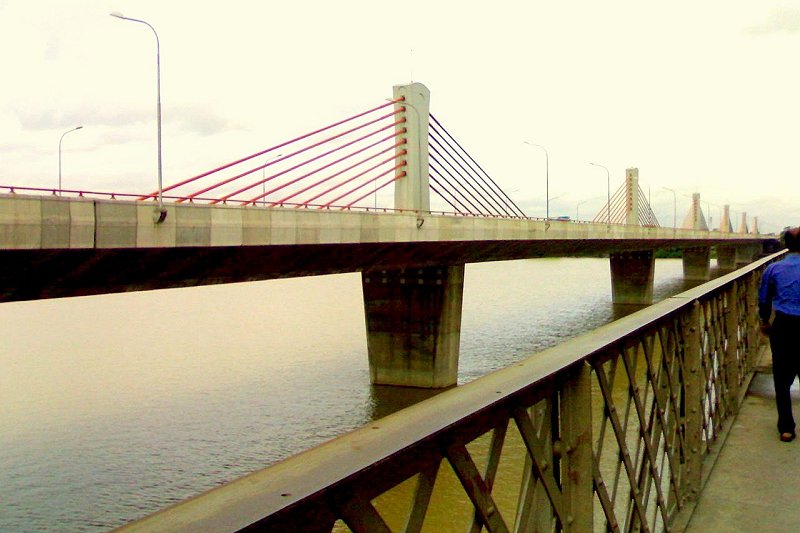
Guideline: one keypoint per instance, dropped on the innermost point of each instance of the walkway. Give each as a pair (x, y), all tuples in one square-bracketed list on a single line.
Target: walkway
[(755, 483)]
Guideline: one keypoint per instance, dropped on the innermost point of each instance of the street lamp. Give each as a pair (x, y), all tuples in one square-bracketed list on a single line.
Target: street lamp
[(608, 191), (674, 206), (264, 178), (59, 156), (546, 179), (160, 213)]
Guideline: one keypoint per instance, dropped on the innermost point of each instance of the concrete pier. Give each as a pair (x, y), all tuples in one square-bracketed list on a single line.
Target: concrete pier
[(413, 319), (726, 257), (745, 254), (632, 277), (697, 263)]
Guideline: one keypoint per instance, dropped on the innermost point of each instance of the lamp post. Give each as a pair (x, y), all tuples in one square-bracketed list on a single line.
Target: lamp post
[(546, 179), (160, 213), (59, 156), (674, 206), (608, 191), (264, 179)]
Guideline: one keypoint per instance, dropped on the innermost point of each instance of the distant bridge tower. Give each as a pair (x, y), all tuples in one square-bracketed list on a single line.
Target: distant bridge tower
[(631, 196), (754, 230), (628, 205), (694, 218), (725, 225), (742, 224)]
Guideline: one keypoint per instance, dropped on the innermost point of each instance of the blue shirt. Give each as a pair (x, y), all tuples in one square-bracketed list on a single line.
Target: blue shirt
[(780, 288)]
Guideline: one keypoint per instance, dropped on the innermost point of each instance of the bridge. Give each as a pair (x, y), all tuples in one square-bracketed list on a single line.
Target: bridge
[(247, 221), (616, 430), (613, 430)]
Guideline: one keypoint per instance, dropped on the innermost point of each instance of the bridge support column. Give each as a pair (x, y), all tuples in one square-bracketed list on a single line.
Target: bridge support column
[(696, 263), (745, 255), (726, 257), (632, 277), (413, 319)]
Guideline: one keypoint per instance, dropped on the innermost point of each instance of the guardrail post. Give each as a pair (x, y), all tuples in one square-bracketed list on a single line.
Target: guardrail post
[(732, 362), (693, 393), (576, 434), (753, 337)]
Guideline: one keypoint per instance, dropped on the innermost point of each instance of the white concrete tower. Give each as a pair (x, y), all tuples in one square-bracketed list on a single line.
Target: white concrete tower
[(694, 218), (632, 196), (411, 192), (725, 225), (742, 224)]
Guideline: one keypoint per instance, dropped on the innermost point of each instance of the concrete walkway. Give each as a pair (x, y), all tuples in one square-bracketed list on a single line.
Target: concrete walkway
[(755, 483)]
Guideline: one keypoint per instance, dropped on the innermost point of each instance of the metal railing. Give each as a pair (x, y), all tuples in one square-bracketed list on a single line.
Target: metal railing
[(609, 431)]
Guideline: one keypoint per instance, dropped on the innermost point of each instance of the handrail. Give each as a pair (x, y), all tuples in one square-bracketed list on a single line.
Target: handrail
[(614, 427)]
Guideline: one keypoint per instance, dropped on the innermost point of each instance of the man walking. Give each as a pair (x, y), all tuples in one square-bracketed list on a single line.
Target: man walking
[(780, 292)]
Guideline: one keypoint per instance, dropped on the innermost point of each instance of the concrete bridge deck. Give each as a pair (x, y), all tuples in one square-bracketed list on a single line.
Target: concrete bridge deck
[(755, 481), (53, 246)]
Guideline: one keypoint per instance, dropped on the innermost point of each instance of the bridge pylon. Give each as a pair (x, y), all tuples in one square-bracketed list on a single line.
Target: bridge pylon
[(695, 218), (628, 205), (742, 228), (725, 225), (411, 191)]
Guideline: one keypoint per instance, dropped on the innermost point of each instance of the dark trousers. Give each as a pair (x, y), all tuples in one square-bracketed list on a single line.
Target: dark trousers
[(784, 340)]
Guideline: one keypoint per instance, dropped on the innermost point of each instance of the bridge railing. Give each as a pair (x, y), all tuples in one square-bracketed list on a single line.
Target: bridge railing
[(608, 431)]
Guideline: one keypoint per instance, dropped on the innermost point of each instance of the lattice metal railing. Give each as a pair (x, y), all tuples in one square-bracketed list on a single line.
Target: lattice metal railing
[(608, 431)]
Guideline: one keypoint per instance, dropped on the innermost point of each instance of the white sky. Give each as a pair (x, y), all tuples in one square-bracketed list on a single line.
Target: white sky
[(701, 96)]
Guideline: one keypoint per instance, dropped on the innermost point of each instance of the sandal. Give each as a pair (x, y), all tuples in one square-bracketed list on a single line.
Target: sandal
[(787, 437)]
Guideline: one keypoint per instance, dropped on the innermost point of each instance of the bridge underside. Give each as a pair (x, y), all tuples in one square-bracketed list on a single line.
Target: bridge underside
[(56, 273)]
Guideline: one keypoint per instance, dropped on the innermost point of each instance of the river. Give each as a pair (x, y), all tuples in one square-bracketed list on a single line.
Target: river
[(114, 406)]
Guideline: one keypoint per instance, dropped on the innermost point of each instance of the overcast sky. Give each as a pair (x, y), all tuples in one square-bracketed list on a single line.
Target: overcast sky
[(700, 96)]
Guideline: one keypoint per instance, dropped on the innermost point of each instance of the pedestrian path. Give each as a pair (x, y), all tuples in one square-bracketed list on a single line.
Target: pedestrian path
[(755, 484)]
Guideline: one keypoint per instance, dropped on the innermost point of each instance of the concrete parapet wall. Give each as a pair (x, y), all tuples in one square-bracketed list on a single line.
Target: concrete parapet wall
[(40, 222), (81, 224), (155, 235), (21, 223), (116, 224), (192, 225), (55, 223)]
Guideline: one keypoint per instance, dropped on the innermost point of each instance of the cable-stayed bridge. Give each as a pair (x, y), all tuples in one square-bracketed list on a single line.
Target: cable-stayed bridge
[(302, 207), (612, 430)]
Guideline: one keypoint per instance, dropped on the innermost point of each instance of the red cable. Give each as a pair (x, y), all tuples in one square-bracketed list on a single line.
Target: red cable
[(373, 191), (397, 166), (315, 145), (291, 182), (223, 167), (307, 161)]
